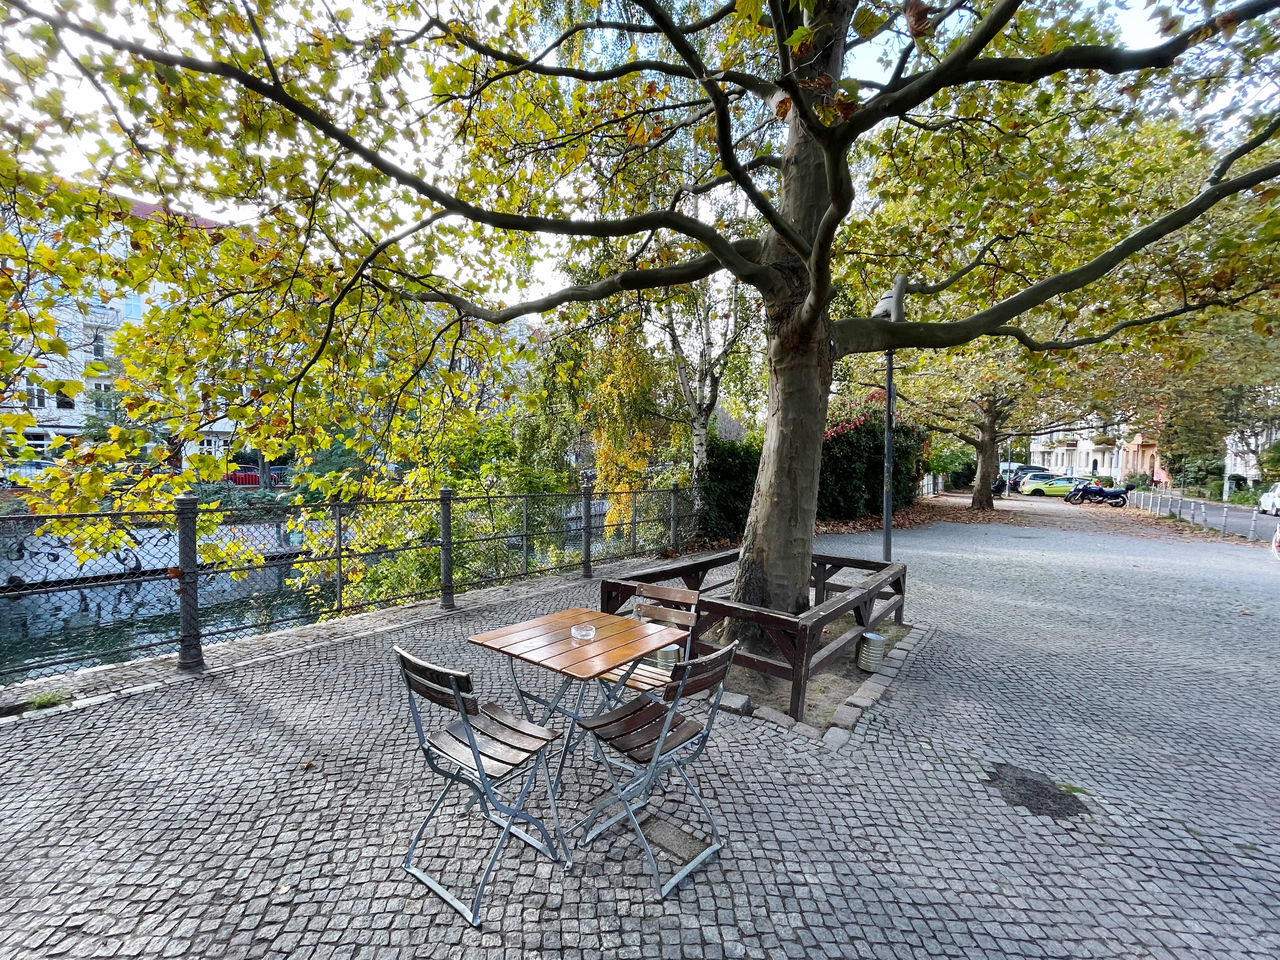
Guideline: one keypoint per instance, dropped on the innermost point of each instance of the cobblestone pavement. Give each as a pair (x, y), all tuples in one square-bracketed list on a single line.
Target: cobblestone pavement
[(1127, 687)]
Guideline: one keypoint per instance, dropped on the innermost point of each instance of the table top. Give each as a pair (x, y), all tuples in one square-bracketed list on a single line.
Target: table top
[(546, 642)]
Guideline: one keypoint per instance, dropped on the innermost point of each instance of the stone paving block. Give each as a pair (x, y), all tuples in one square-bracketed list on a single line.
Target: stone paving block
[(846, 716), (836, 737), (774, 716), (738, 703), (264, 811)]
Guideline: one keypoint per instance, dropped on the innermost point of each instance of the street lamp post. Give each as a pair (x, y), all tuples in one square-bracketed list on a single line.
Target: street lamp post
[(890, 305)]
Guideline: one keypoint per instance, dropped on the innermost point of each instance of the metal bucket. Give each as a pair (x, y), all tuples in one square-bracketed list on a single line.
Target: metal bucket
[(669, 655), (871, 652)]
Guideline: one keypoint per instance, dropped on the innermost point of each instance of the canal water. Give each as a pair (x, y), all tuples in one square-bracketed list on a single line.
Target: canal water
[(46, 633)]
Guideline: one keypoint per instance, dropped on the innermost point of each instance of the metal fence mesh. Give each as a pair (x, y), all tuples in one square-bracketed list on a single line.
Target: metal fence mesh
[(87, 589)]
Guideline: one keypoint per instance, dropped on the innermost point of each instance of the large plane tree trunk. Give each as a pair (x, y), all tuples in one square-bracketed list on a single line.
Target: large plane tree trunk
[(778, 542)]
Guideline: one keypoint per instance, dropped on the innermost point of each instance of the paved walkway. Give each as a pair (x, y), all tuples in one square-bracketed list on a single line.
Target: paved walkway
[(1128, 687)]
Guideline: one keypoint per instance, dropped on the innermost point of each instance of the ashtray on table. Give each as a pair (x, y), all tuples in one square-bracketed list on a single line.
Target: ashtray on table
[(583, 631)]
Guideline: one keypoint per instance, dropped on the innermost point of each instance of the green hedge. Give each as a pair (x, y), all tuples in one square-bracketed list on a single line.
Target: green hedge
[(852, 480), (850, 486), (729, 486)]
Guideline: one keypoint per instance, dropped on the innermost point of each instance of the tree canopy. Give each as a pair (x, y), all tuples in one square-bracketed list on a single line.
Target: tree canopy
[(389, 160)]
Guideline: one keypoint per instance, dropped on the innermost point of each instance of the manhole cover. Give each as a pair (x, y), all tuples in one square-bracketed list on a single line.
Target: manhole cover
[(1035, 791)]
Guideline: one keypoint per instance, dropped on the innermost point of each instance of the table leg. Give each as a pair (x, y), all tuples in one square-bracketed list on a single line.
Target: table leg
[(568, 737)]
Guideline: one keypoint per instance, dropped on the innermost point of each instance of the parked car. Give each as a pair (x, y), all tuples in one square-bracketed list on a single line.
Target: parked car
[(1269, 502), (1016, 477), (243, 477), (20, 473), (1019, 482), (1051, 487)]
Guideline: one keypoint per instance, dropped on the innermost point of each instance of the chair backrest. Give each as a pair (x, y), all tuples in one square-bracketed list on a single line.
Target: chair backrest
[(674, 606), (704, 673), (448, 688)]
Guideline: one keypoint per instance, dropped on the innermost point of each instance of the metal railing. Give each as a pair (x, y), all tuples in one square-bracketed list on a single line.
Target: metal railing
[(1207, 514), (79, 590)]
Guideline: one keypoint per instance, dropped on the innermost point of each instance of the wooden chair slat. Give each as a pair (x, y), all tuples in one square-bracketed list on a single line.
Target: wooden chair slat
[(436, 683), (490, 749), (669, 615), (653, 591), (518, 724), (631, 716), (650, 732), (677, 736), (500, 732), (460, 753)]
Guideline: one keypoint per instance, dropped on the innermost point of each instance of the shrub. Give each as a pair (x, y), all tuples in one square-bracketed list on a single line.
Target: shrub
[(1140, 480), (1248, 496), (963, 477), (851, 484), (729, 486), (958, 466)]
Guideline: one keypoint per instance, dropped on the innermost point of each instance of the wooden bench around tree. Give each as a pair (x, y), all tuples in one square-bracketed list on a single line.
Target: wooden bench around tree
[(878, 591)]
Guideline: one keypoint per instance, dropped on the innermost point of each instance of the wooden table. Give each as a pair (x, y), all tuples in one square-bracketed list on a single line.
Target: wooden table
[(547, 642)]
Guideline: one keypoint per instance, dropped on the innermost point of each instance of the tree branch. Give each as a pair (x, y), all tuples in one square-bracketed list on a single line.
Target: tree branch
[(867, 335), (724, 130), (753, 273), (622, 281), (1031, 343), (1112, 60), (932, 288)]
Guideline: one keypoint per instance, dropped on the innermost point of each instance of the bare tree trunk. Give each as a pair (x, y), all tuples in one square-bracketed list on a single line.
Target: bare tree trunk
[(700, 426)]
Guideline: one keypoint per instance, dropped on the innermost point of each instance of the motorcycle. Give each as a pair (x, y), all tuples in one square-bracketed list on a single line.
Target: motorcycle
[(1086, 492)]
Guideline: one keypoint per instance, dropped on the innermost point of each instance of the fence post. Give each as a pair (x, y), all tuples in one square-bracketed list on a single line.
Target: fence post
[(446, 549), (524, 534), (190, 653), (1224, 521), (635, 520), (675, 517), (337, 550), (1253, 525), (586, 531)]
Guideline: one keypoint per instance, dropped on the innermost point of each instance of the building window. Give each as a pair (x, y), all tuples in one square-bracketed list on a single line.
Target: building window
[(101, 402), (99, 346), (132, 307), (209, 446), (63, 401), (37, 441), (35, 395)]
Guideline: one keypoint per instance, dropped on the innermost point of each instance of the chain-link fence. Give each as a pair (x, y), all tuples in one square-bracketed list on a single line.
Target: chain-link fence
[(79, 590)]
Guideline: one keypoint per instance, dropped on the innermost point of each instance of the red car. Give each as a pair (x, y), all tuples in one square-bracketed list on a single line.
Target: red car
[(243, 477)]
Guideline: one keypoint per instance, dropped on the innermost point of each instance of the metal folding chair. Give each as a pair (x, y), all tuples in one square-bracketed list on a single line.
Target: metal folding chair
[(484, 749), (640, 742), (670, 606)]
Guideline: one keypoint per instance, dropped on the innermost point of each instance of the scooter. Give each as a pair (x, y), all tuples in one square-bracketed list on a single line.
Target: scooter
[(1086, 492)]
